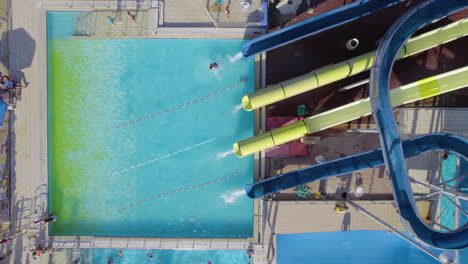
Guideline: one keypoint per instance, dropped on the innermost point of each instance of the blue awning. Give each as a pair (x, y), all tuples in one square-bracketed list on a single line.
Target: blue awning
[(3, 110), (349, 247)]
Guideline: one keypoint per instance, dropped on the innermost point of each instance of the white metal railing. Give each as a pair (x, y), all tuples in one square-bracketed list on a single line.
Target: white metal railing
[(85, 24), (110, 3), (209, 13), (238, 23), (151, 243)]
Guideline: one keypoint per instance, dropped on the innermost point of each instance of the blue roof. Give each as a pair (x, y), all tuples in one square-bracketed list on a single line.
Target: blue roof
[(349, 247), (3, 110)]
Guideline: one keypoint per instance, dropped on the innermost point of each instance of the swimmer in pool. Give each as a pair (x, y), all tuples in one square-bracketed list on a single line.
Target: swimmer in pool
[(213, 65)]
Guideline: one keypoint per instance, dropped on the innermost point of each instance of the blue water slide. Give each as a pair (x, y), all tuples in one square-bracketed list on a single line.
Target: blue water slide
[(314, 25), (392, 147), (371, 159)]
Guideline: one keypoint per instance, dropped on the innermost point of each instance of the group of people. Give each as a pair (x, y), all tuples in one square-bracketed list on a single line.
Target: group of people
[(9, 84), (110, 260), (39, 250), (113, 20)]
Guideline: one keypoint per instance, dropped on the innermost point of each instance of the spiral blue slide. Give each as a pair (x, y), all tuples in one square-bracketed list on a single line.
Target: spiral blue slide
[(394, 151)]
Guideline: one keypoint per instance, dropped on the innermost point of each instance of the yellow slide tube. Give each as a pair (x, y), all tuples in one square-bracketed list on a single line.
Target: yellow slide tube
[(341, 70), (422, 89)]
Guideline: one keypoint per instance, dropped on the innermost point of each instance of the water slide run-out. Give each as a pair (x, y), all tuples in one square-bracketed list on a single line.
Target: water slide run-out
[(432, 86), (366, 160), (405, 94), (347, 68)]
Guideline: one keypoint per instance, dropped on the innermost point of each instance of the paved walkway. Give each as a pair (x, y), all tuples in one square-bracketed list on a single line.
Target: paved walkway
[(29, 186)]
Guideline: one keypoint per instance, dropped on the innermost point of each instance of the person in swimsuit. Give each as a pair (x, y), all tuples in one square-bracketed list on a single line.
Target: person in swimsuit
[(213, 65), (112, 20), (46, 220), (131, 17)]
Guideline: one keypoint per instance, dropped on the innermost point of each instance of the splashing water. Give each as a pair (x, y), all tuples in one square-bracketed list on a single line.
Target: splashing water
[(236, 57), (232, 196), (237, 109), (222, 155)]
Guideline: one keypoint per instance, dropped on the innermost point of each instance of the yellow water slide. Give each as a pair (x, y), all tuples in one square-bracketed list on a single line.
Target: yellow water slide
[(350, 67), (422, 89)]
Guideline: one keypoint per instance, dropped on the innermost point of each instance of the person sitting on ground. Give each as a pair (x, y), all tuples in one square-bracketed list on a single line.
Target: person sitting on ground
[(111, 20), (213, 65), (17, 84), (36, 254), (47, 219), (131, 17), (8, 84), (226, 10), (6, 255)]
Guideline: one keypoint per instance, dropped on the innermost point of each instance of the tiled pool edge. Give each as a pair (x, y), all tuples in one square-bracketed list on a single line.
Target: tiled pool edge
[(88, 242)]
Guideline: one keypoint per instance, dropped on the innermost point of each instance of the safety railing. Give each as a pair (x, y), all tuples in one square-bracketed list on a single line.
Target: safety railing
[(254, 13), (110, 3)]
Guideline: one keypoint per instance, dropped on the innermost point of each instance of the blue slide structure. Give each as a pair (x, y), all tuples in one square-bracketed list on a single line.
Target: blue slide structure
[(314, 25), (390, 141), (366, 160), (394, 151)]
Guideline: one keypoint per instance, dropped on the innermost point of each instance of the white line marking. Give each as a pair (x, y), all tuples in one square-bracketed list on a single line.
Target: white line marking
[(165, 156)]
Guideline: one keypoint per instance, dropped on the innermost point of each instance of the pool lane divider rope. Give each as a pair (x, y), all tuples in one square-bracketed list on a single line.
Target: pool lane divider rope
[(182, 105), (165, 156), (179, 190)]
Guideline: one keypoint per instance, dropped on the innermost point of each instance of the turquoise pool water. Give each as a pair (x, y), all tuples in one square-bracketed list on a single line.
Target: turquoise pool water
[(448, 171), (463, 219), (140, 133), (171, 256)]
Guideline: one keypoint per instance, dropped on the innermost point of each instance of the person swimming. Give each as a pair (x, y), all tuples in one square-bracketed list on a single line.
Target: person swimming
[(213, 65)]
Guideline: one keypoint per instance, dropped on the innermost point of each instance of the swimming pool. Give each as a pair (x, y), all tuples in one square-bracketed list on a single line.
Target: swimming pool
[(140, 134), (448, 172), (132, 256)]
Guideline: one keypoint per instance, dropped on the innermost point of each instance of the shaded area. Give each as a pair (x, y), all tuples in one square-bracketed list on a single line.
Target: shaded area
[(22, 54)]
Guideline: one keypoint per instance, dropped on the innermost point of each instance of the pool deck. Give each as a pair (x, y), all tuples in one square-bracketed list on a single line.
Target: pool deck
[(27, 41), (29, 159)]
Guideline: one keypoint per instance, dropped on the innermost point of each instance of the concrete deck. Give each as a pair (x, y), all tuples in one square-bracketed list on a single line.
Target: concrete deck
[(198, 12), (374, 181), (28, 60)]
